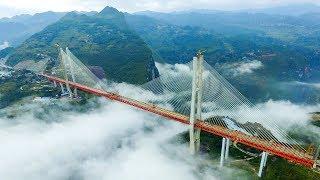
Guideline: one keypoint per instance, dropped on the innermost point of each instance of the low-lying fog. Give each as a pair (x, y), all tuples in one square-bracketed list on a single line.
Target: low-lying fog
[(55, 139), (111, 142), (4, 45)]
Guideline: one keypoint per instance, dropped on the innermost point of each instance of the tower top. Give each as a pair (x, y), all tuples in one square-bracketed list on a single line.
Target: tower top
[(200, 53)]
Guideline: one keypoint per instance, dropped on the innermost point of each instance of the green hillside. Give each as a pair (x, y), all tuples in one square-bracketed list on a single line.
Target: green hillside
[(102, 40), (280, 61)]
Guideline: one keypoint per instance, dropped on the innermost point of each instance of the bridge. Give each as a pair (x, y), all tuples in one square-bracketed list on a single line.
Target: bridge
[(199, 97)]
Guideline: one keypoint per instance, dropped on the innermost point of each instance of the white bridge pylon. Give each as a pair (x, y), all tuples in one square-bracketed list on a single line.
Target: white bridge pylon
[(68, 69), (196, 98), (71, 69), (196, 109)]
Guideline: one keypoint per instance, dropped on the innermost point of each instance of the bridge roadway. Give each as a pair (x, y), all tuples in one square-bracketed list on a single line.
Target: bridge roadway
[(275, 148)]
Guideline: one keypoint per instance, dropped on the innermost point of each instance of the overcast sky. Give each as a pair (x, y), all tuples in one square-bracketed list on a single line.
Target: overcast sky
[(13, 7)]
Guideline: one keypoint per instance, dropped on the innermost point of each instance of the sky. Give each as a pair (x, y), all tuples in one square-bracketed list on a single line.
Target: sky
[(9, 8)]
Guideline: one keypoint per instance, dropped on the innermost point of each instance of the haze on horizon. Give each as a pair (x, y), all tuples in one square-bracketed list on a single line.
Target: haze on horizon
[(9, 8)]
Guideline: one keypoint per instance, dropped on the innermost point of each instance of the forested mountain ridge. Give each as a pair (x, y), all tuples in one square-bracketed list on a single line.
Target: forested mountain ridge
[(256, 52), (254, 61), (291, 29), (103, 39), (177, 43)]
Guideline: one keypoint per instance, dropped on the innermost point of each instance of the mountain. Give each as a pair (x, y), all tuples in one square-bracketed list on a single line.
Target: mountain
[(103, 39), (300, 33), (18, 28), (255, 62), (259, 53), (175, 44), (290, 10), (6, 51), (285, 28), (178, 42)]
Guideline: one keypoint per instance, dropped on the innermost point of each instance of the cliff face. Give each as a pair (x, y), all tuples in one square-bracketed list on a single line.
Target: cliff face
[(103, 40)]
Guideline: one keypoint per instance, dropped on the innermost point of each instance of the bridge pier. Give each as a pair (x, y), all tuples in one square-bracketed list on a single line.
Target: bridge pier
[(54, 83), (75, 92), (224, 150), (69, 90), (263, 163), (196, 100), (226, 156), (62, 88)]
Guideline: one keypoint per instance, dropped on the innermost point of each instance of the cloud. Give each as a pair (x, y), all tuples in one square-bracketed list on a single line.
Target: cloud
[(315, 85), (6, 11), (243, 67), (110, 142), (287, 121), (281, 113), (53, 140), (4, 45)]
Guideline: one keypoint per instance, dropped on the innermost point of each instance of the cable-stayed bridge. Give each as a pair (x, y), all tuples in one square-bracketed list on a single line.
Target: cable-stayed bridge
[(196, 95)]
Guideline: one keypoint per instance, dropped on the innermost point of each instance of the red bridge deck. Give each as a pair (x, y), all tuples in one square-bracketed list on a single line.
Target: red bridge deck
[(271, 147)]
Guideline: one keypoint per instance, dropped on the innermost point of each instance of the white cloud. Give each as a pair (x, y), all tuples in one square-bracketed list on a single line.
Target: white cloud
[(51, 140), (281, 113), (248, 67), (4, 45), (108, 143), (6, 11), (315, 85), (243, 67)]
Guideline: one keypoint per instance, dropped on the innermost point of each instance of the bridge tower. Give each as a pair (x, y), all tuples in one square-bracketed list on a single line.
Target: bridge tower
[(62, 88), (72, 69), (196, 99), (65, 68)]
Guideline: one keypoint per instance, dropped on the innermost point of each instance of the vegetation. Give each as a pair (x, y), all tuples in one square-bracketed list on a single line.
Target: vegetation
[(102, 40), (19, 84), (5, 52), (212, 144), (177, 37), (288, 48)]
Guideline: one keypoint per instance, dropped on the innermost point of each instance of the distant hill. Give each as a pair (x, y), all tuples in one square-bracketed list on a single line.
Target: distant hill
[(18, 28), (283, 27), (5, 52), (290, 10), (255, 62), (260, 53), (179, 40), (102, 39)]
